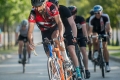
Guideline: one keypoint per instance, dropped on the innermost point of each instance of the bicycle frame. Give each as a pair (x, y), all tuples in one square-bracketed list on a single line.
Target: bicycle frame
[(101, 61), (59, 59)]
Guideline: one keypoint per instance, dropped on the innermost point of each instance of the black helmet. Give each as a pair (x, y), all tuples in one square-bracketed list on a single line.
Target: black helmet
[(91, 12), (54, 1), (37, 2), (73, 9)]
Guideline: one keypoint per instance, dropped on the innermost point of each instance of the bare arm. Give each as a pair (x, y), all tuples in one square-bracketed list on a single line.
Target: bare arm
[(17, 32), (84, 30), (30, 32), (60, 24), (73, 26), (16, 36), (108, 28)]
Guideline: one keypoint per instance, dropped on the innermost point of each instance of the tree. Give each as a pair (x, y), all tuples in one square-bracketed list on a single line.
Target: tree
[(12, 12)]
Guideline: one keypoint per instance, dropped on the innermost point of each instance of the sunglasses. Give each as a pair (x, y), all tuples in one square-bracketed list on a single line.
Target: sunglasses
[(97, 12)]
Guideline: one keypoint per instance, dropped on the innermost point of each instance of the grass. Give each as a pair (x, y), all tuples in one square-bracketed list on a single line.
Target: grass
[(113, 47), (8, 51), (116, 54)]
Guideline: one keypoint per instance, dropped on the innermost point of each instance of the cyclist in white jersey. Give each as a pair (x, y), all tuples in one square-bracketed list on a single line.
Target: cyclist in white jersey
[(100, 24), (21, 34)]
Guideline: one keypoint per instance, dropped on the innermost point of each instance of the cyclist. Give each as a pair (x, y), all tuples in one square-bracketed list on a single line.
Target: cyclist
[(89, 44), (21, 34), (81, 32), (70, 33), (100, 24), (47, 18)]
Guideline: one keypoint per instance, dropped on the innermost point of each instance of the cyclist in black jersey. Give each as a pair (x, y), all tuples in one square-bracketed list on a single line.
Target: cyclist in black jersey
[(70, 33), (100, 24), (81, 33), (90, 44)]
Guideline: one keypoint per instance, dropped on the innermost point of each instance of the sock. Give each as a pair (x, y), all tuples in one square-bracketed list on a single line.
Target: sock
[(107, 63), (20, 56), (64, 54), (78, 72)]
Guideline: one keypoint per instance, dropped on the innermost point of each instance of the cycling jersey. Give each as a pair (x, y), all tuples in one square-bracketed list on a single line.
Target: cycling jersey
[(65, 13), (87, 20), (79, 20), (46, 22), (99, 24), (21, 31)]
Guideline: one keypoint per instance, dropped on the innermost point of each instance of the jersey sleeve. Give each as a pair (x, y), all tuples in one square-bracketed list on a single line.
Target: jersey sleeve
[(31, 17), (53, 10), (108, 19), (67, 12), (90, 21), (81, 20)]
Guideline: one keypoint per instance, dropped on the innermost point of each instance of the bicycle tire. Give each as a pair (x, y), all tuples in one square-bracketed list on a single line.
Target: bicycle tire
[(24, 59), (82, 71), (50, 68), (102, 63)]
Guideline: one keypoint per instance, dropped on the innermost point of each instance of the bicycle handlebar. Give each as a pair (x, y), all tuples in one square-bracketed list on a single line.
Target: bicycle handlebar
[(39, 43), (103, 35)]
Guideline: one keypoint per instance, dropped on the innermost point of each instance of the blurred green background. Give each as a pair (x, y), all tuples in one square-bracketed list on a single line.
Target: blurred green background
[(13, 11)]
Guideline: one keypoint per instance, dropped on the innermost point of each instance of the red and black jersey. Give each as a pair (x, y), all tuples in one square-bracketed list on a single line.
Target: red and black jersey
[(46, 22)]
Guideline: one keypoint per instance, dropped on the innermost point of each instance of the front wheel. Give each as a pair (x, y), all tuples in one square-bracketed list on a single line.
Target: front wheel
[(24, 60), (53, 69), (101, 61)]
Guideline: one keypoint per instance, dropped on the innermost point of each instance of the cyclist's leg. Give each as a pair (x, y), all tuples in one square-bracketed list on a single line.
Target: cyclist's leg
[(20, 43), (71, 49), (95, 47), (82, 45), (90, 51), (50, 33), (106, 54)]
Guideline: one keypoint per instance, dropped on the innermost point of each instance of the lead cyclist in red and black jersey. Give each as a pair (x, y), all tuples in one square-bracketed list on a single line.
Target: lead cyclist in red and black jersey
[(47, 18), (82, 34), (100, 24)]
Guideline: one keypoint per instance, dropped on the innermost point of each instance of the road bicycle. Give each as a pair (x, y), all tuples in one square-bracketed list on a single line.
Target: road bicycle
[(55, 60), (72, 70), (100, 60), (24, 54), (80, 59)]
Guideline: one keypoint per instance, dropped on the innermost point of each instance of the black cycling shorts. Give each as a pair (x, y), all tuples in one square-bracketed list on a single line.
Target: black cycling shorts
[(69, 38), (82, 42), (47, 34), (21, 38)]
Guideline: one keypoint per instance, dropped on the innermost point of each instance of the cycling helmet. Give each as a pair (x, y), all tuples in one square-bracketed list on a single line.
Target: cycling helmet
[(97, 8), (91, 12), (37, 2), (54, 1), (73, 9), (24, 23)]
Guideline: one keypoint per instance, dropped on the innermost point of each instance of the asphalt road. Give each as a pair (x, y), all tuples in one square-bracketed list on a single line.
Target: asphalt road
[(37, 70)]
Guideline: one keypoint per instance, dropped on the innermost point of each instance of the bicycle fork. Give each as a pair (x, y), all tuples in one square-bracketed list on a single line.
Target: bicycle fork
[(60, 59)]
